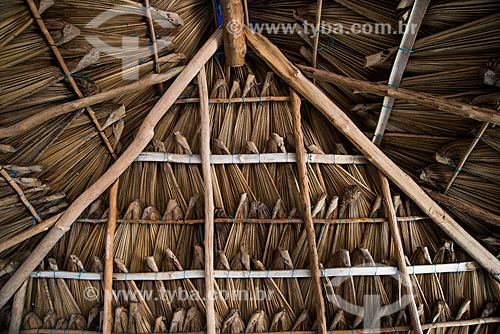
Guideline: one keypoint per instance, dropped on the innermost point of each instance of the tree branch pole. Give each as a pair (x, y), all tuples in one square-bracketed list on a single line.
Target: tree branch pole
[(423, 99), (38, 228), (235, 47), (400, 254), (61, 109), (294, 77), (16, 318), (141, 140), (107, 325), (306, 204), (209, 202)]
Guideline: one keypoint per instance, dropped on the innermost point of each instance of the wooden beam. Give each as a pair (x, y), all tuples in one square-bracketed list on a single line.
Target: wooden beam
[(209, 202), (400, 254), (424, 99), (305, 201), (398, 68), (235, 47), (141, 140), (107, 326), (64, 108), (17, 313), (67, 73), (294, 77), (465, 207)]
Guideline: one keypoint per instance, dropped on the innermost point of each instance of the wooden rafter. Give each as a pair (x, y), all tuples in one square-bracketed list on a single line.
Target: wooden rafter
[(108, 259), (305, 201), (209, 202), (64, 108), (400, 254)]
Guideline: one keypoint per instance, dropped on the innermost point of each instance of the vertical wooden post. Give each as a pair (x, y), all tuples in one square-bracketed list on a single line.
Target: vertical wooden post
[(305, 201), (17, 309), (400, 256), (209, 201), (108, 259), (235, 47)]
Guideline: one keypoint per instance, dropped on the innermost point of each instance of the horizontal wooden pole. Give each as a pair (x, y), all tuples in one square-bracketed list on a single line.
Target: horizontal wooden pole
[(264, 158), (448, 324), (253, 221), (243, 100), (424, 99), (64, 108), (297, 273)]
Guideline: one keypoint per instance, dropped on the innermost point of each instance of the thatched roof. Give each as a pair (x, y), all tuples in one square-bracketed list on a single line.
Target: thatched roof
[(124, 123)]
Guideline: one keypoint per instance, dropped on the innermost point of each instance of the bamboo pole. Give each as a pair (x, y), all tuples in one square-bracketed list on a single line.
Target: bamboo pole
[(292, 75), (458, 169), (20, 193), (108, 260), (424, 99), (17, 313), (234, 36), (67, 73), (209, 201), (436, 325), (242, 159), (38, 228), (470, 209), (400, 255), (64, 108), (305, 201), (405, 49), (142, 139), (256, 274)]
